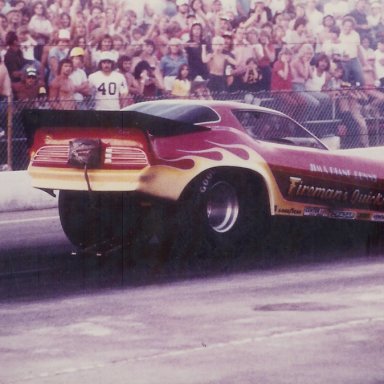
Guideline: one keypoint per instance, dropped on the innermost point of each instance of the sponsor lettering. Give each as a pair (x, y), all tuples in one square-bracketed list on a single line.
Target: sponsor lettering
[(288, 211), (314, 211), (378, 217), (346, 215), (297, 188), (343, 172)]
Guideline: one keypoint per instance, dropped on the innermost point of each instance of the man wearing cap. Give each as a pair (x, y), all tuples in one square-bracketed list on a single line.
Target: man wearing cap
[(28, 88), (14, 19), (58, 53), (79, 77), (109, 86)]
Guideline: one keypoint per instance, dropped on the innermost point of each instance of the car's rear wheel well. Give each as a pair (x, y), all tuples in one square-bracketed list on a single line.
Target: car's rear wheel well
[(246, 175)]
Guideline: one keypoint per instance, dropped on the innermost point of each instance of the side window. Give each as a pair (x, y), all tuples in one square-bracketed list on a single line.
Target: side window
[(280, 129)]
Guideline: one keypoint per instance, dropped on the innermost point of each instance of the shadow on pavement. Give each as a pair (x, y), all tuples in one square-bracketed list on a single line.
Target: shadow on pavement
[(47, 273)]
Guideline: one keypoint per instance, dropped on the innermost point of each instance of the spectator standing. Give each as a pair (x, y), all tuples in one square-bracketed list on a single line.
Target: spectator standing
[(13, 59), (299, 35), (64, 21), (347, 99), (217, 61), (171, 62), (27, 44), (123, 24), (81, 42), (193, 50), (62, 88), (199, 89), (367, 53), (5, 93), (198, 9), (375, 15), (14, 19), (336, 8), (301, 73), (40, 26), (281, 84), (267, 59), (379, 62), (182, 14), (58, 53), (148, 53), (375, 105), (149, 85), (242, 49), (96, 20), (317, 84), (258, 15), (350, 41), (182, 84), (324, 33), (378, 30), (79, 77), (3, 28), (252, 80), (124, 65), (105, 44), (110, 86), (28, 88), (360, 16), (119, 44), (332, 46), (314, 16), (278, 41)]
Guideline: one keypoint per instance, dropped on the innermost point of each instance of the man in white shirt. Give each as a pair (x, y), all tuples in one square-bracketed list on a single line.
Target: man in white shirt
[(109, 86), (79, 77), (379, 61), (350, 41)]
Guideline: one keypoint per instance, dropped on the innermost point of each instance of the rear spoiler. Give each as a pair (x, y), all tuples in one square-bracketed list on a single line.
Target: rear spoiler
[(34, 119)]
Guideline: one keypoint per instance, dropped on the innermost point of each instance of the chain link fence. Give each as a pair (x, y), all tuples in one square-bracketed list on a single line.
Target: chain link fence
[(355, 123)]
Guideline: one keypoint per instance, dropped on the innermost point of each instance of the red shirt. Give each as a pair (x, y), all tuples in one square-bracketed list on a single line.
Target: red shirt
[(277, 82)]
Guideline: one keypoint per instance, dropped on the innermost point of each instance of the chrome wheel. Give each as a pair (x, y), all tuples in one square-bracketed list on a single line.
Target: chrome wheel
[(222, 207)]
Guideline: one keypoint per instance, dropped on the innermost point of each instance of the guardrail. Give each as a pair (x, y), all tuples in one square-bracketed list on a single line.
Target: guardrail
[(359, 127)]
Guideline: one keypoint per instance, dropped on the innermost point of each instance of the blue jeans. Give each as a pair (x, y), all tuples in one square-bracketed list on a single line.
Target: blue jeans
[(311, 102), (353, 71)]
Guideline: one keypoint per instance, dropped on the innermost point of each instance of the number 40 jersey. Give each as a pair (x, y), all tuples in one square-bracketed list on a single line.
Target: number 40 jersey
[(108, 89)]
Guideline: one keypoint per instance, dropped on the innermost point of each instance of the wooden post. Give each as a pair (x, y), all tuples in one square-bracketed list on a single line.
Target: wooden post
[(10, 133)]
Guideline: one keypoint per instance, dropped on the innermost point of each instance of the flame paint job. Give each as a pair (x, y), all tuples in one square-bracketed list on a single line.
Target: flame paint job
[(301, 181)]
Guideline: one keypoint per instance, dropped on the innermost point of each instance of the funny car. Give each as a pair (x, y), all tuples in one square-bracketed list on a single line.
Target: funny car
[(201, 170)]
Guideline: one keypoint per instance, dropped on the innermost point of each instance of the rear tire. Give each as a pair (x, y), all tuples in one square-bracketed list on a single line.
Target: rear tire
[(91, 218), (221, 215)]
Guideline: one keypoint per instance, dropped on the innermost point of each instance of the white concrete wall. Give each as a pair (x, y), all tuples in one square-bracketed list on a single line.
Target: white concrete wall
[(16, 193)]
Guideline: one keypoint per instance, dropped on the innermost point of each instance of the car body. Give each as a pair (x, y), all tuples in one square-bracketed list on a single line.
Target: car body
[(222, 159)]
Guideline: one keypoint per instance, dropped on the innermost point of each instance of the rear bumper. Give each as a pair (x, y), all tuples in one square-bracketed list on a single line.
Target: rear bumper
[(159, 181), (74, 179)]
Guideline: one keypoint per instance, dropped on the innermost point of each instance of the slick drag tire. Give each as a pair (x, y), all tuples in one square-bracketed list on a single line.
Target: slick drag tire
[(90, 218), (221, 214)]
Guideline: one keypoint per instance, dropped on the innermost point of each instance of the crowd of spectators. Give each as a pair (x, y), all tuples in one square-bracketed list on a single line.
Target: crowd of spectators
[(63, 53)]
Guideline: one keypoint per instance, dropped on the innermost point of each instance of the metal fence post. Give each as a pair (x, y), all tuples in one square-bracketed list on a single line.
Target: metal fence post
[(10, 133)]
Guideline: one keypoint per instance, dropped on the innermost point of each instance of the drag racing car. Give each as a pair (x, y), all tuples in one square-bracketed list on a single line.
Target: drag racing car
[(200, 171)]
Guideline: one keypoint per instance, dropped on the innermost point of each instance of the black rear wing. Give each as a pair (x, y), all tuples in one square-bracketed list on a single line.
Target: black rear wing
[(34, 119)]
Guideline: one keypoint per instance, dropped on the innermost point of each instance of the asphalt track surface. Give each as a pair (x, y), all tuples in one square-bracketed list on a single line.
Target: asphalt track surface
[(308, 309)]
